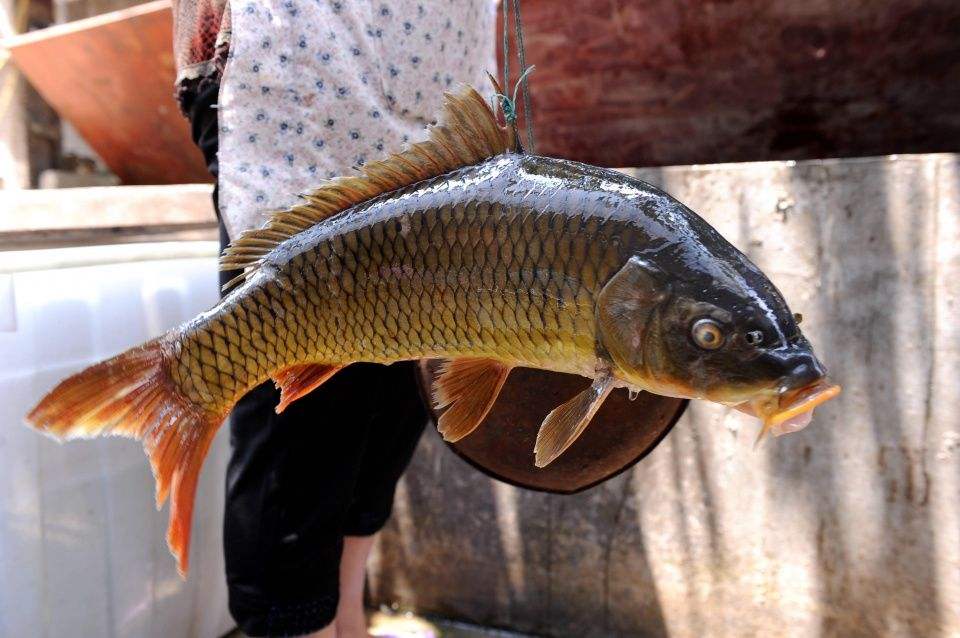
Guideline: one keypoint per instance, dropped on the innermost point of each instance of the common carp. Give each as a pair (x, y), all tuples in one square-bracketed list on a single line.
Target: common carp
[(465, 248)]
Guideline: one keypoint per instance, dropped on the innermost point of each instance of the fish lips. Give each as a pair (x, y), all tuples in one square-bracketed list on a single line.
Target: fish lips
[(796, 407), (790, 408)]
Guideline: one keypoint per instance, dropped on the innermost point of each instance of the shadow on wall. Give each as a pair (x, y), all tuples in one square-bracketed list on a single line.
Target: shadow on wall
[(464, 546), (846, 529), (876, 551)]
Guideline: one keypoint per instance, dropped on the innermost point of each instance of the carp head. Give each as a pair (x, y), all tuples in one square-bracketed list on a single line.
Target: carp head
[(712, 328)]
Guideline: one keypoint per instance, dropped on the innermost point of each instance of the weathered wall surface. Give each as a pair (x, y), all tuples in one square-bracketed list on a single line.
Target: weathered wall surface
[(849, 528)]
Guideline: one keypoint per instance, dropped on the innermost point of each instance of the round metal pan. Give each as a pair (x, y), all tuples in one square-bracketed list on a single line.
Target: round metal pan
[(621, 433)]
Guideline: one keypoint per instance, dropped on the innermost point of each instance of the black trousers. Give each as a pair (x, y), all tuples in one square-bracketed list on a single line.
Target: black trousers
[(298, 482)]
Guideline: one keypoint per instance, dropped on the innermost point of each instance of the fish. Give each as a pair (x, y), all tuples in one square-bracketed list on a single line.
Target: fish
[(462, 247)]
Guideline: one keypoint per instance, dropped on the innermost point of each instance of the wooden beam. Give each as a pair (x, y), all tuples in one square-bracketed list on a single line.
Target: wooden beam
[(72, 216), (14, 160)]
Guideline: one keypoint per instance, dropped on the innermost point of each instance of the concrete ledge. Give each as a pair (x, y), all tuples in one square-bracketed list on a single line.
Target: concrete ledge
[(848, 528), (47, 217)]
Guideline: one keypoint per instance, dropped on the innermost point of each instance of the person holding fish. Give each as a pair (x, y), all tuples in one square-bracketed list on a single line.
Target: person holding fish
[(461, 247), (306, 91)]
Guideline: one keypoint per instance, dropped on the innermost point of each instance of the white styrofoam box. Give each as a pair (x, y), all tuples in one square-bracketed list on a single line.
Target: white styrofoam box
[(82, 548)]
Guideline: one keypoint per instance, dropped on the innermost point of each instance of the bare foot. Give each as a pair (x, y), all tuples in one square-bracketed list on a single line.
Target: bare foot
[(352, 628), (330, 631), (347, 633)]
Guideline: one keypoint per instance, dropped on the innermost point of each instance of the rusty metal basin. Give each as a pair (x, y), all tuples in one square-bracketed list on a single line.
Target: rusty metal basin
[(620, 435)]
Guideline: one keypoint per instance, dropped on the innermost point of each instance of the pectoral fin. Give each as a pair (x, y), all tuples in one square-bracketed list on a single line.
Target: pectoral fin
[(297, 381), (467, 388), (624, 307), (562, 426)]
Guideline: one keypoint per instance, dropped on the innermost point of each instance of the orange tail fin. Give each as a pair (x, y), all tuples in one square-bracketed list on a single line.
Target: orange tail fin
[(132, 395)]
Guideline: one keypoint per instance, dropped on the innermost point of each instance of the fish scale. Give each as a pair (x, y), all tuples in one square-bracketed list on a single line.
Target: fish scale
[(464, 277)]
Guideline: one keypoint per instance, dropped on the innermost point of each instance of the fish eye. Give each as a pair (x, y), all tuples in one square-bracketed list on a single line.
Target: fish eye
[(754, 337), (707, 334), (798, 318)]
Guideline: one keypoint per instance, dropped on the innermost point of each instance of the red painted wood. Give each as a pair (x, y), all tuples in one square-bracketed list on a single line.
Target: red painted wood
[(112, 77), (631, 83)]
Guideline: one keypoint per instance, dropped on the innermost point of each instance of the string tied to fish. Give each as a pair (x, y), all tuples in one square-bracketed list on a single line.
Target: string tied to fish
[(508, 103)]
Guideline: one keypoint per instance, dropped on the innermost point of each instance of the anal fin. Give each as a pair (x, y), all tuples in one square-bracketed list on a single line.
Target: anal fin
[(467, 388), (567, 422), (297, 381)]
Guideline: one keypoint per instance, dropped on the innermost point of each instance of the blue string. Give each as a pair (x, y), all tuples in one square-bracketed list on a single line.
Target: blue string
[(509, 104)]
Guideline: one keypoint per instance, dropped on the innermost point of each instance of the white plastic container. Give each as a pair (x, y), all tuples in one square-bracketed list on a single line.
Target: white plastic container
[(82, 549)]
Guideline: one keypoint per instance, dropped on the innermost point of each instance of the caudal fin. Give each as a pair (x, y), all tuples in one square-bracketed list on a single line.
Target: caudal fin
[(132, 395)]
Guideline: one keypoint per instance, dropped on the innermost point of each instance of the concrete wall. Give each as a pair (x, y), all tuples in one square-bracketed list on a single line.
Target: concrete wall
[(849, 528)]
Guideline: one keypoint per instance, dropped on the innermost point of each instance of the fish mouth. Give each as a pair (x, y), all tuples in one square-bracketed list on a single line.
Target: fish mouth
[(789, 411)]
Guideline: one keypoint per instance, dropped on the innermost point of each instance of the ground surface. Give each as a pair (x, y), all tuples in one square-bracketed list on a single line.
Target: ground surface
[(394, 624)]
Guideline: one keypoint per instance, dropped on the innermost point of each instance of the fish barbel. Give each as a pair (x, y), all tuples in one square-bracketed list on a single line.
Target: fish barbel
[(463, 248)]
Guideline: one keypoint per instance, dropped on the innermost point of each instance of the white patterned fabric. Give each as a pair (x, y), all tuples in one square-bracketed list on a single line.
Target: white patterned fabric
[(313, 88)]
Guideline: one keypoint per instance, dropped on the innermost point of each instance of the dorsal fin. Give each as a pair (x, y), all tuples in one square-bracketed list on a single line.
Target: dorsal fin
[(466, 133)]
